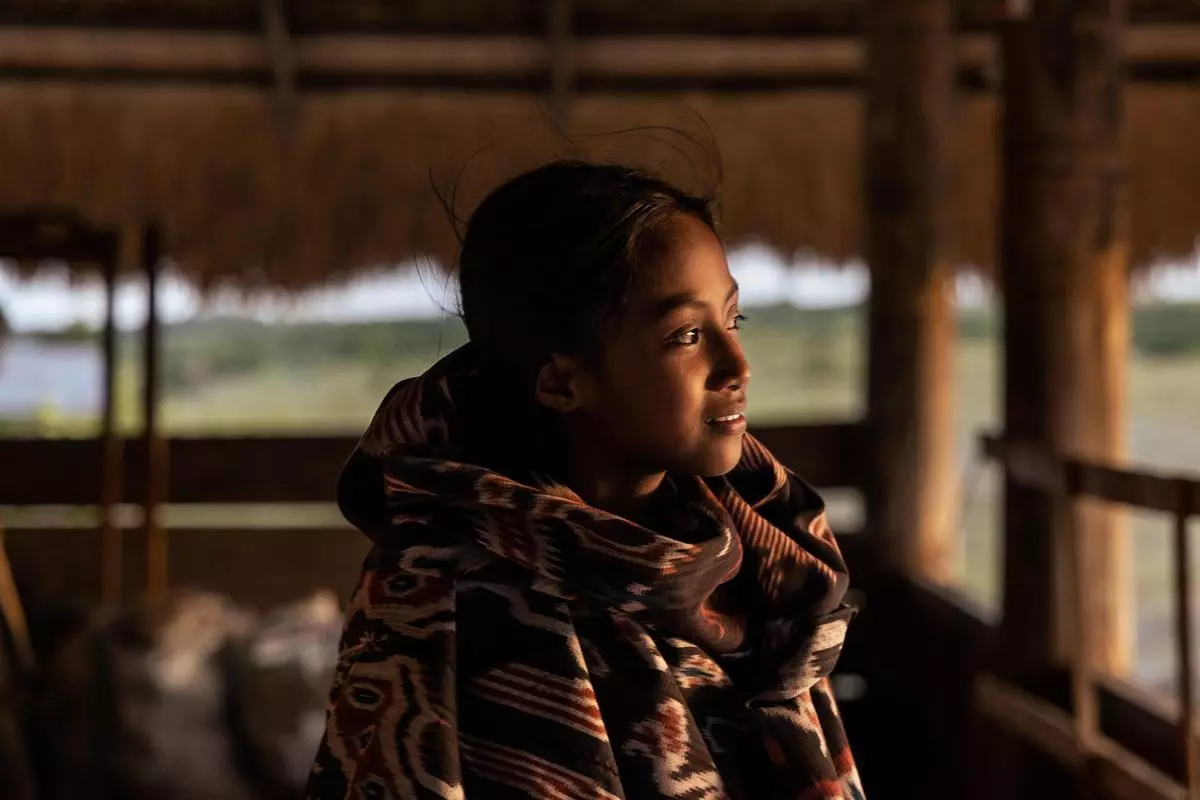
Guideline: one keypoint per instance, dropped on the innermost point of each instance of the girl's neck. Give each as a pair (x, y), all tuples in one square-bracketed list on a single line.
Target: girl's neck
[(600, 479), (514, 437), (624, 495)]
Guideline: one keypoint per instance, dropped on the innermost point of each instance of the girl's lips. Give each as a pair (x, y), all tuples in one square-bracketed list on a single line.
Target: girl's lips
[(730, 423)]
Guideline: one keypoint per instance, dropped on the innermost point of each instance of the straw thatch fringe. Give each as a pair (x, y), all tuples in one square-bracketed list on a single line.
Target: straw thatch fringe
[(355, 183)]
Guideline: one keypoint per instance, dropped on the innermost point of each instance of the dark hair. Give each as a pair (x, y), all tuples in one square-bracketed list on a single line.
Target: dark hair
[(550, 256)]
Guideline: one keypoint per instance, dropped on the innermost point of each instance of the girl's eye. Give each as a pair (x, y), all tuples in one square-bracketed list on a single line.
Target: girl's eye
[(688, 337), (737, 322)]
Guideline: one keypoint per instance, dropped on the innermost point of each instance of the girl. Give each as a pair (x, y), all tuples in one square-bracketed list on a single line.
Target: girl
[(587, 580)]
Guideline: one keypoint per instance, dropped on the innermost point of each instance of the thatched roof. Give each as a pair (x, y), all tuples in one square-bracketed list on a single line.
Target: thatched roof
[(352, 187), (304, 153)]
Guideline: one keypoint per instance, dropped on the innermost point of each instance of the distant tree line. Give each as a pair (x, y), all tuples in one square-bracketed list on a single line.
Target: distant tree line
[(1160, 330), (199, 351)]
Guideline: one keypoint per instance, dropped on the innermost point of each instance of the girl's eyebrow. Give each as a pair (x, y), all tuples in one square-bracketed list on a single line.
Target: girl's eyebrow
[(664, 306)]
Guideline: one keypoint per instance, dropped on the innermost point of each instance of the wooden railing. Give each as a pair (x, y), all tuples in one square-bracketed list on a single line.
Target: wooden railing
[(258, 564), (304, 469), (1076, 739)]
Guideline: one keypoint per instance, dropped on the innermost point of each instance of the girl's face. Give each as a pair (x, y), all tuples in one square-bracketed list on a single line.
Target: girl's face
[(668, 393)]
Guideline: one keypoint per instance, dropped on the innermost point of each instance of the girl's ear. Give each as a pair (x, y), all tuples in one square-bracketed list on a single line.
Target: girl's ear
[(558, 384)]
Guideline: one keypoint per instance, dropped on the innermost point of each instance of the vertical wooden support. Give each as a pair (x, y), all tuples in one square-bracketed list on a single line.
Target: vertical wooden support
[(1084, 699), (111, 540), (282, 55), (562, 66), (1063, 269), (1183, 643), (910, 487), (12, 610), (154, 444)]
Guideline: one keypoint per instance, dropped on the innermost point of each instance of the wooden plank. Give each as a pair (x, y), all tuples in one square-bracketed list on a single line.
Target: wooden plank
[(1182, 558), (1033, 466), (1146, 723), (1137, 489), (560, 36), (73, 51), (1036, 721), (203, 470), (304, 469), (1038, 467), (156, 476), (113, 450), (1143, 722), (782, 17), (1119, 774), (816, 17), (283, 62), (260, 567), (378, 59)]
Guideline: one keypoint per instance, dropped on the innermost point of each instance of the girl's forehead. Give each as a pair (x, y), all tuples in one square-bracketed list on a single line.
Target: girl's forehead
[(691, 260)]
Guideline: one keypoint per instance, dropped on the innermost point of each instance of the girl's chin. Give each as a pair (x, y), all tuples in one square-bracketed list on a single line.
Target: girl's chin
[(721, 458)]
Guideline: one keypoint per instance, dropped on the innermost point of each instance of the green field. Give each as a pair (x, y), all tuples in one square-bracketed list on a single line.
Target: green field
[(224, 377)]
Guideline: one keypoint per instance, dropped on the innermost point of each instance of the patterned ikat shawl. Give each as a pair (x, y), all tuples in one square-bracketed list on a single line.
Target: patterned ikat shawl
[(506, 640)]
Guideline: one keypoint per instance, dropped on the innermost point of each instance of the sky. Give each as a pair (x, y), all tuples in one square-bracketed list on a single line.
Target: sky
[(50, 301)]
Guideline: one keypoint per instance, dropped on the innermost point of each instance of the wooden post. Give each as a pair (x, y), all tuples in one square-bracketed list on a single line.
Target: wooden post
[(1183, 644), (112, 547), (282, 57), (911, 498), (1063, 269), (12, 611), (155, 445), (562, 66), (1085, 702)]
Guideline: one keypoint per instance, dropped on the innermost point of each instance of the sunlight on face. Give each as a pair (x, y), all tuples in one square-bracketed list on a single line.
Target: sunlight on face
[(670, 392)]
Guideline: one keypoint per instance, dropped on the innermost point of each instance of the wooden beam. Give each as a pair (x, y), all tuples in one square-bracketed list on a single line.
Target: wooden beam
[(12, 611), (246, 469), (1038, 467), (1182, 558), (282, 58), (155, 445), (561, 42), (1117, 773), (1064, 247), (1034, 720), (57, 565), (112, 468), (204, 470), (1169, 53), (910, 317), (813, 18)]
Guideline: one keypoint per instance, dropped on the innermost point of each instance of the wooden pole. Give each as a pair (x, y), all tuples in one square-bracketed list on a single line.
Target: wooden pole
[(111, 539), (1183, 644), (562, 72), (1084, 700), (910, 491), (155, 446), (1064, 243), (12, 610), (282, 56)]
